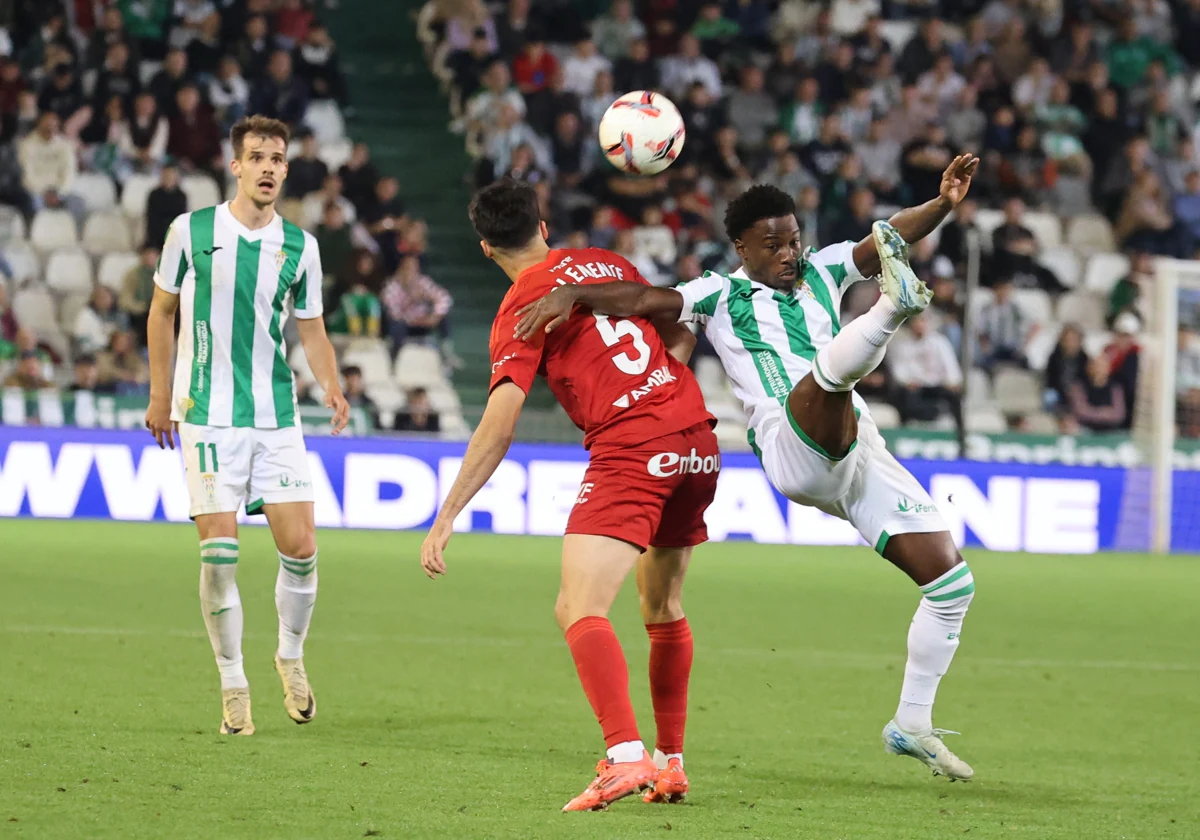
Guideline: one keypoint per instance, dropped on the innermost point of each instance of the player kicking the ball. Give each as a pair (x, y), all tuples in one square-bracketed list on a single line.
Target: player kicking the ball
[(233, 271), (652, 473), (775, 326)]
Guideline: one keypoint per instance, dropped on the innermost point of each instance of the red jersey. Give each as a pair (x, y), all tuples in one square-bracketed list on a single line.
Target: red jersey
[(613, 376)]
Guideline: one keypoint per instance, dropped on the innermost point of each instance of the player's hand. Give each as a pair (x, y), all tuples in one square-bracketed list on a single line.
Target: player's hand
[(336, 400), (158, 421), (431, 551), (545, 314), (956, 180)]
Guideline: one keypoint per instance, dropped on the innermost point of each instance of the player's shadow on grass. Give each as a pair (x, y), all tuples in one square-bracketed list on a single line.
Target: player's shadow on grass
[(937, 789)]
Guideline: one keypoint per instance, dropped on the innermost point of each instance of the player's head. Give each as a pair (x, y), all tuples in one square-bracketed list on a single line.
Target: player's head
[(260, 146), (508, 219), (761, 223)]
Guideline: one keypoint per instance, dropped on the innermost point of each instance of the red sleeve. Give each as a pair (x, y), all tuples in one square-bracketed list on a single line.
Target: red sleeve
[(514, 360)]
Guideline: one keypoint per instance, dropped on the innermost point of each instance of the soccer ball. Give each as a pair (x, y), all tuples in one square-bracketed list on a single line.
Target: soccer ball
[(642, 133)]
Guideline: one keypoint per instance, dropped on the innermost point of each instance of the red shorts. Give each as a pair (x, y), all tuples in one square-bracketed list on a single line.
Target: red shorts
[(654, 493)]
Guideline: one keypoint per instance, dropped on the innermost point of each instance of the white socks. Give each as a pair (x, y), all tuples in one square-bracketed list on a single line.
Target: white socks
[(295, 595), (626, 751), (932, 641), (222, 607), (858, 348), (661, 758)]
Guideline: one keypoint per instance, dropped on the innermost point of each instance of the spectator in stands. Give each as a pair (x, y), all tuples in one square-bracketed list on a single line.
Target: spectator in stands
[(418, 414), (1130, 55), (1004, 330), (926, 373), (355, 390), (616, 31), (194, 136), (358, 311), (1187, 382), (946, 310), (1128, 295), (164, 204), (87, 375), (122, 366), (1146, 222), (228, 93), (751, 109), (680, 71), (111, 30), (146, 21), (483, 110), (469, 65), (856, 222), (358, 177), (416, 307), (337, 249), (306, 172), (967, 123), (385, 216), (1123, 356), (509, 133), (1096, 402), (1187, 205), (166, 83), (255, 47), (581, 67), (96, 322), (48, 167), (50, 39), (28, 375), (205, 51), (782, 168), (637, 70), (280, 94), (713, 30), (318, 64), (1014, 252), (1066, 366), (626, 245), (330, 193), (8, 324), (957, 231), (137, 289), (118, 77), (293, 21), (924, 160), (143, 138), (535, 66)]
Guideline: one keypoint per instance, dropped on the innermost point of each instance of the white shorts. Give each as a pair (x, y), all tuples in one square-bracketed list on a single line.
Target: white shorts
[(868, 487), (228, 467)]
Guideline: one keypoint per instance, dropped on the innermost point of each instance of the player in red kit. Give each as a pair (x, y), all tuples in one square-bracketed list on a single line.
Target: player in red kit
[(651, 475)]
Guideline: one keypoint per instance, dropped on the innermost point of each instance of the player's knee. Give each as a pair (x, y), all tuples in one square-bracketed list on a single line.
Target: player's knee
[(952, 593), (299, 543), (660, 607)]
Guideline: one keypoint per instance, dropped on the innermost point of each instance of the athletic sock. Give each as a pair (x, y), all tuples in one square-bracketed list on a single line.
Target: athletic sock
[(932, 640), (295, 595), (604, 675), (858, 348), (670, 667), (221, 606)]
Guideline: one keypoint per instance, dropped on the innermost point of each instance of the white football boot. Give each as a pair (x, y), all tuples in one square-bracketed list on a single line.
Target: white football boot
[(928, 749), (897, 280)]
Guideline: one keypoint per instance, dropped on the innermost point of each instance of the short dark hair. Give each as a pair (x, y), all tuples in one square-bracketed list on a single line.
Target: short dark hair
[(762, 201), (506, 214), (85, 359), (258, 125), (351, 370)]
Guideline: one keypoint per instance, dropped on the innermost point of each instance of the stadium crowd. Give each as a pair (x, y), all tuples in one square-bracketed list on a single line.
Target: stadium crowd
[(1082, 110)]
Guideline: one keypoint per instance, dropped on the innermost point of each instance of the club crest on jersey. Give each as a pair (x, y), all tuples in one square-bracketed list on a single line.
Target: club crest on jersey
[(210, 484), (280, 259)]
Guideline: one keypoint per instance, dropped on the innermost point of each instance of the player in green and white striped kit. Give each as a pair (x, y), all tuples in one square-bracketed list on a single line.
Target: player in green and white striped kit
[(233, 271), (775, 325)]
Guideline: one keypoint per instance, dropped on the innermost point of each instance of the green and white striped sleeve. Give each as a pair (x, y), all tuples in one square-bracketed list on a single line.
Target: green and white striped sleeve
[(700, 297), (174, 260), (307, 288)]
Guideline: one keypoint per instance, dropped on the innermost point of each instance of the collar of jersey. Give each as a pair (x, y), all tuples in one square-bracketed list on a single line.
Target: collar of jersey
[(782, 297), (243, 231)]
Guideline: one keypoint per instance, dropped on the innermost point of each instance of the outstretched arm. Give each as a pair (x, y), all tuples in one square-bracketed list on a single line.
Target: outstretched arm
[(622, 299), (915, 223)]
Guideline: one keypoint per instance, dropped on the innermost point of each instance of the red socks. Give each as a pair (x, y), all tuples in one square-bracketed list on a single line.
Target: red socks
[(670, 667), (605, 677)]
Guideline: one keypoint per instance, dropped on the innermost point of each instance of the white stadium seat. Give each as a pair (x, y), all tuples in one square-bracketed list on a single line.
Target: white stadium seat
[(113, 268), (69, 272), (418, 366), (1046, 227), (987, 221), (986, 420), (884, 415), (201, 191), (69, 309), (1063, 263), (336, 153), (105, 233), (1095, 341), (979, 387), (53, 229), (97, 191), (299, 364), (444, 398), (1082, 308), (1035, 303), (25, 263), (12, 224), (1040, 423), (34, 309), (1037, 353), (325, 120), (1091, 234), (1103, 271), (1018, 391), (135, 193), (372, 357)]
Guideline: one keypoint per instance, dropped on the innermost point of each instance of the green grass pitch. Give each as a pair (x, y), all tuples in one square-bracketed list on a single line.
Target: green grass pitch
[(451, 709)]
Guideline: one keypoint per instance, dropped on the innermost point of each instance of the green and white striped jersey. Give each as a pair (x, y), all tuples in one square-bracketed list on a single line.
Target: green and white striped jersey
[(767, 339), (236, 286)]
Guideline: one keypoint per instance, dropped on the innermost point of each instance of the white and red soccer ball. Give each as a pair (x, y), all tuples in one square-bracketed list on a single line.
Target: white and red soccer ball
[(642, 133)]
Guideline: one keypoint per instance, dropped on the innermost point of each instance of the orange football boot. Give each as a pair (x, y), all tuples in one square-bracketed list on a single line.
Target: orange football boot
[(613, 782), (671, 785)]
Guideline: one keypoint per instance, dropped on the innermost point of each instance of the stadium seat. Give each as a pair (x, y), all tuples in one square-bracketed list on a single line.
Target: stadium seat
[(1091, 234), (135, 193), (1046, 227), (25, 263), (336, 153), (1094, 341), (106, 233), (986, 420), (979, 298), (372, 357), (12, 224), (1103, 272), (1041, 423), (987, 221), (113, 268), (1036, 304), (884, 415), (201, 191), (68, 310), (96, 190), (418, 366), (898, 33), (444, 398), (325, 120), (53, 229), (979, 387), (1063, 263), (1037, 353), (298, 362), (732, 437), (147, 70), (34, 309), (1082, 308), (1018, 391), (69, 272)]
